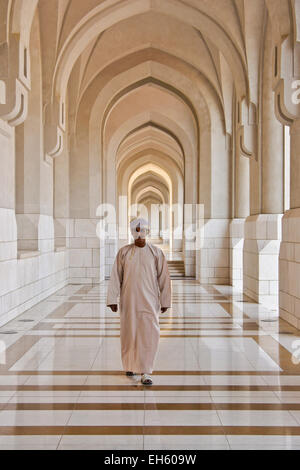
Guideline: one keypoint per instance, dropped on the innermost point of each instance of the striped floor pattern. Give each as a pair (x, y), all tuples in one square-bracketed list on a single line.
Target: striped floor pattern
[(227, 376)]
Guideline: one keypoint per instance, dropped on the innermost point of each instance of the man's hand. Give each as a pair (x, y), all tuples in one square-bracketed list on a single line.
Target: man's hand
[(113, 307), (164, 309)]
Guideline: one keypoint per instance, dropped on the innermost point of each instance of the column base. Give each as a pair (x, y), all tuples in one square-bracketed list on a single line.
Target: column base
[(289, 268), (212, 259), (261, 258), (28, 231), (86, 252), (28, 276), (189, 261), (111, 250)]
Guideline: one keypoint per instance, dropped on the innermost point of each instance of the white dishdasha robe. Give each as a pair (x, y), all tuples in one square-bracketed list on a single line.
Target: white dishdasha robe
[(140, 276)]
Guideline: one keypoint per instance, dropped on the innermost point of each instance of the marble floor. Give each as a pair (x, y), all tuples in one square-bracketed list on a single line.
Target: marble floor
[(226, 377)]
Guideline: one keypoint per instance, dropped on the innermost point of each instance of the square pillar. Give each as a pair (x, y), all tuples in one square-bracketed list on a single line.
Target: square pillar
[(289, 268), (212, 259), (261, 258)]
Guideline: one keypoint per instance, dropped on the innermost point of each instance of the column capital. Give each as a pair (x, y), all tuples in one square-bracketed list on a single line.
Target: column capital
[(53, 129), (15, 81)]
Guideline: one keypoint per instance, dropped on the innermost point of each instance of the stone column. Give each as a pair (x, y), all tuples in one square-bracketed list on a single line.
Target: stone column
[(242, 197), (213, 256), (153, 210), (189, 253), (263, 231), (177, 234), (272, 161), (295, 165), (236, 229), (289, 264)]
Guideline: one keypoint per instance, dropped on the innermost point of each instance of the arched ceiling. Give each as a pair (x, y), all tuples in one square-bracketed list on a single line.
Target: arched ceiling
[(93, 35), (153, 173), (150, 180), (151, 97), (150, 194), (104, 60), (150, 200), (149, 140), (224, 34), (99, 35)]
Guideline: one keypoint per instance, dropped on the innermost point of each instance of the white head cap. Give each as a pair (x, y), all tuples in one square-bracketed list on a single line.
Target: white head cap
[(144, 228)]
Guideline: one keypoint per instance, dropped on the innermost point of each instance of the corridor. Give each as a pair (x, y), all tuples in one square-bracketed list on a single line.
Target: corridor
[(224, 377)]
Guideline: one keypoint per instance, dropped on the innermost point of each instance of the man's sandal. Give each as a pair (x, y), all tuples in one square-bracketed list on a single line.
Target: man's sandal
[(146, 379)]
